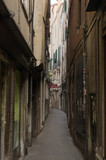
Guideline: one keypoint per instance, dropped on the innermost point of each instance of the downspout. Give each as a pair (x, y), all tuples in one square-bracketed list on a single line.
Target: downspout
[(32, 23), (84, 80), (31, 13)]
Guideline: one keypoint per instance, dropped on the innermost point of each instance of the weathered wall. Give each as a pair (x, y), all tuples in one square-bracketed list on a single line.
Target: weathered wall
[(13, 127), (40, 12), (20, 17), (75, 32), (16, 126), (95, 52), (94, 49)]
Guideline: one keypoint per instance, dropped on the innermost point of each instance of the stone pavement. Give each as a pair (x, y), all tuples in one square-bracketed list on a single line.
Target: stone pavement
[(54, 142)]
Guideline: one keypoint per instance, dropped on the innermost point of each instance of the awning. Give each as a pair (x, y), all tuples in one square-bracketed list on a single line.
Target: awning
[(11, 39), (93, 5)]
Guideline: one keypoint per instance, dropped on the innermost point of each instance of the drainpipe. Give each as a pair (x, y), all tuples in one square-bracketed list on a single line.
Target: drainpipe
[(32, 23), (84, 80), (31, 13)]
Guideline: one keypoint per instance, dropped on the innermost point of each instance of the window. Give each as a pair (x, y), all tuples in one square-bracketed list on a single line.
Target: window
[(63, 38), (55, 59), (65, 6), (50, 65), (59, 56)]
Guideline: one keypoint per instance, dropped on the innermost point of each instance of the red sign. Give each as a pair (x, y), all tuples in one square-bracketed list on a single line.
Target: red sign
[(53, 86)]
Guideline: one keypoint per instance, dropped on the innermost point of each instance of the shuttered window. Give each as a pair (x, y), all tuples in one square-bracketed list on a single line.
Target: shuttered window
[(55, 57), (55, 60), (65, 6), (59, 56), (50, 65)]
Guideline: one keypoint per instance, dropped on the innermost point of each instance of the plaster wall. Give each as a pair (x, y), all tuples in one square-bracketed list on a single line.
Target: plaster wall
[(19, 17)]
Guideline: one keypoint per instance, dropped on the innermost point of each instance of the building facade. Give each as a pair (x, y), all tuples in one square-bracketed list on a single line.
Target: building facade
[(41, 51), (64, 24), (86, 76), (58, 30), (19, 78)]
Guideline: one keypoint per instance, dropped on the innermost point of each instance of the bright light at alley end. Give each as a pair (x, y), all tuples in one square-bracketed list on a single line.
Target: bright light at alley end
[(53, 1)]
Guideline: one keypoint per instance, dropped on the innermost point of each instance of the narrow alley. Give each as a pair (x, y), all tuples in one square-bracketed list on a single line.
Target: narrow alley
[(54, 142), (52, 79)]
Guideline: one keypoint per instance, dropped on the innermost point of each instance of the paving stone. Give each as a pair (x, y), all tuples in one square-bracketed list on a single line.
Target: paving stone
[(54, 142)]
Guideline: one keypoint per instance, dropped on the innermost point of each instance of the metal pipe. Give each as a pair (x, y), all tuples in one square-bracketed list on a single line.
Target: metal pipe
[(31, 11), (32, 23)]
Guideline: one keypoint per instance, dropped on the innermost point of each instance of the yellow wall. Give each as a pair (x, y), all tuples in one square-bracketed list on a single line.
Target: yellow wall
[(39, 28)]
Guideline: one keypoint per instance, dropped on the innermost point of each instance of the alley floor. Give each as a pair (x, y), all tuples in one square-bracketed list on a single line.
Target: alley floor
[(54, 142)]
